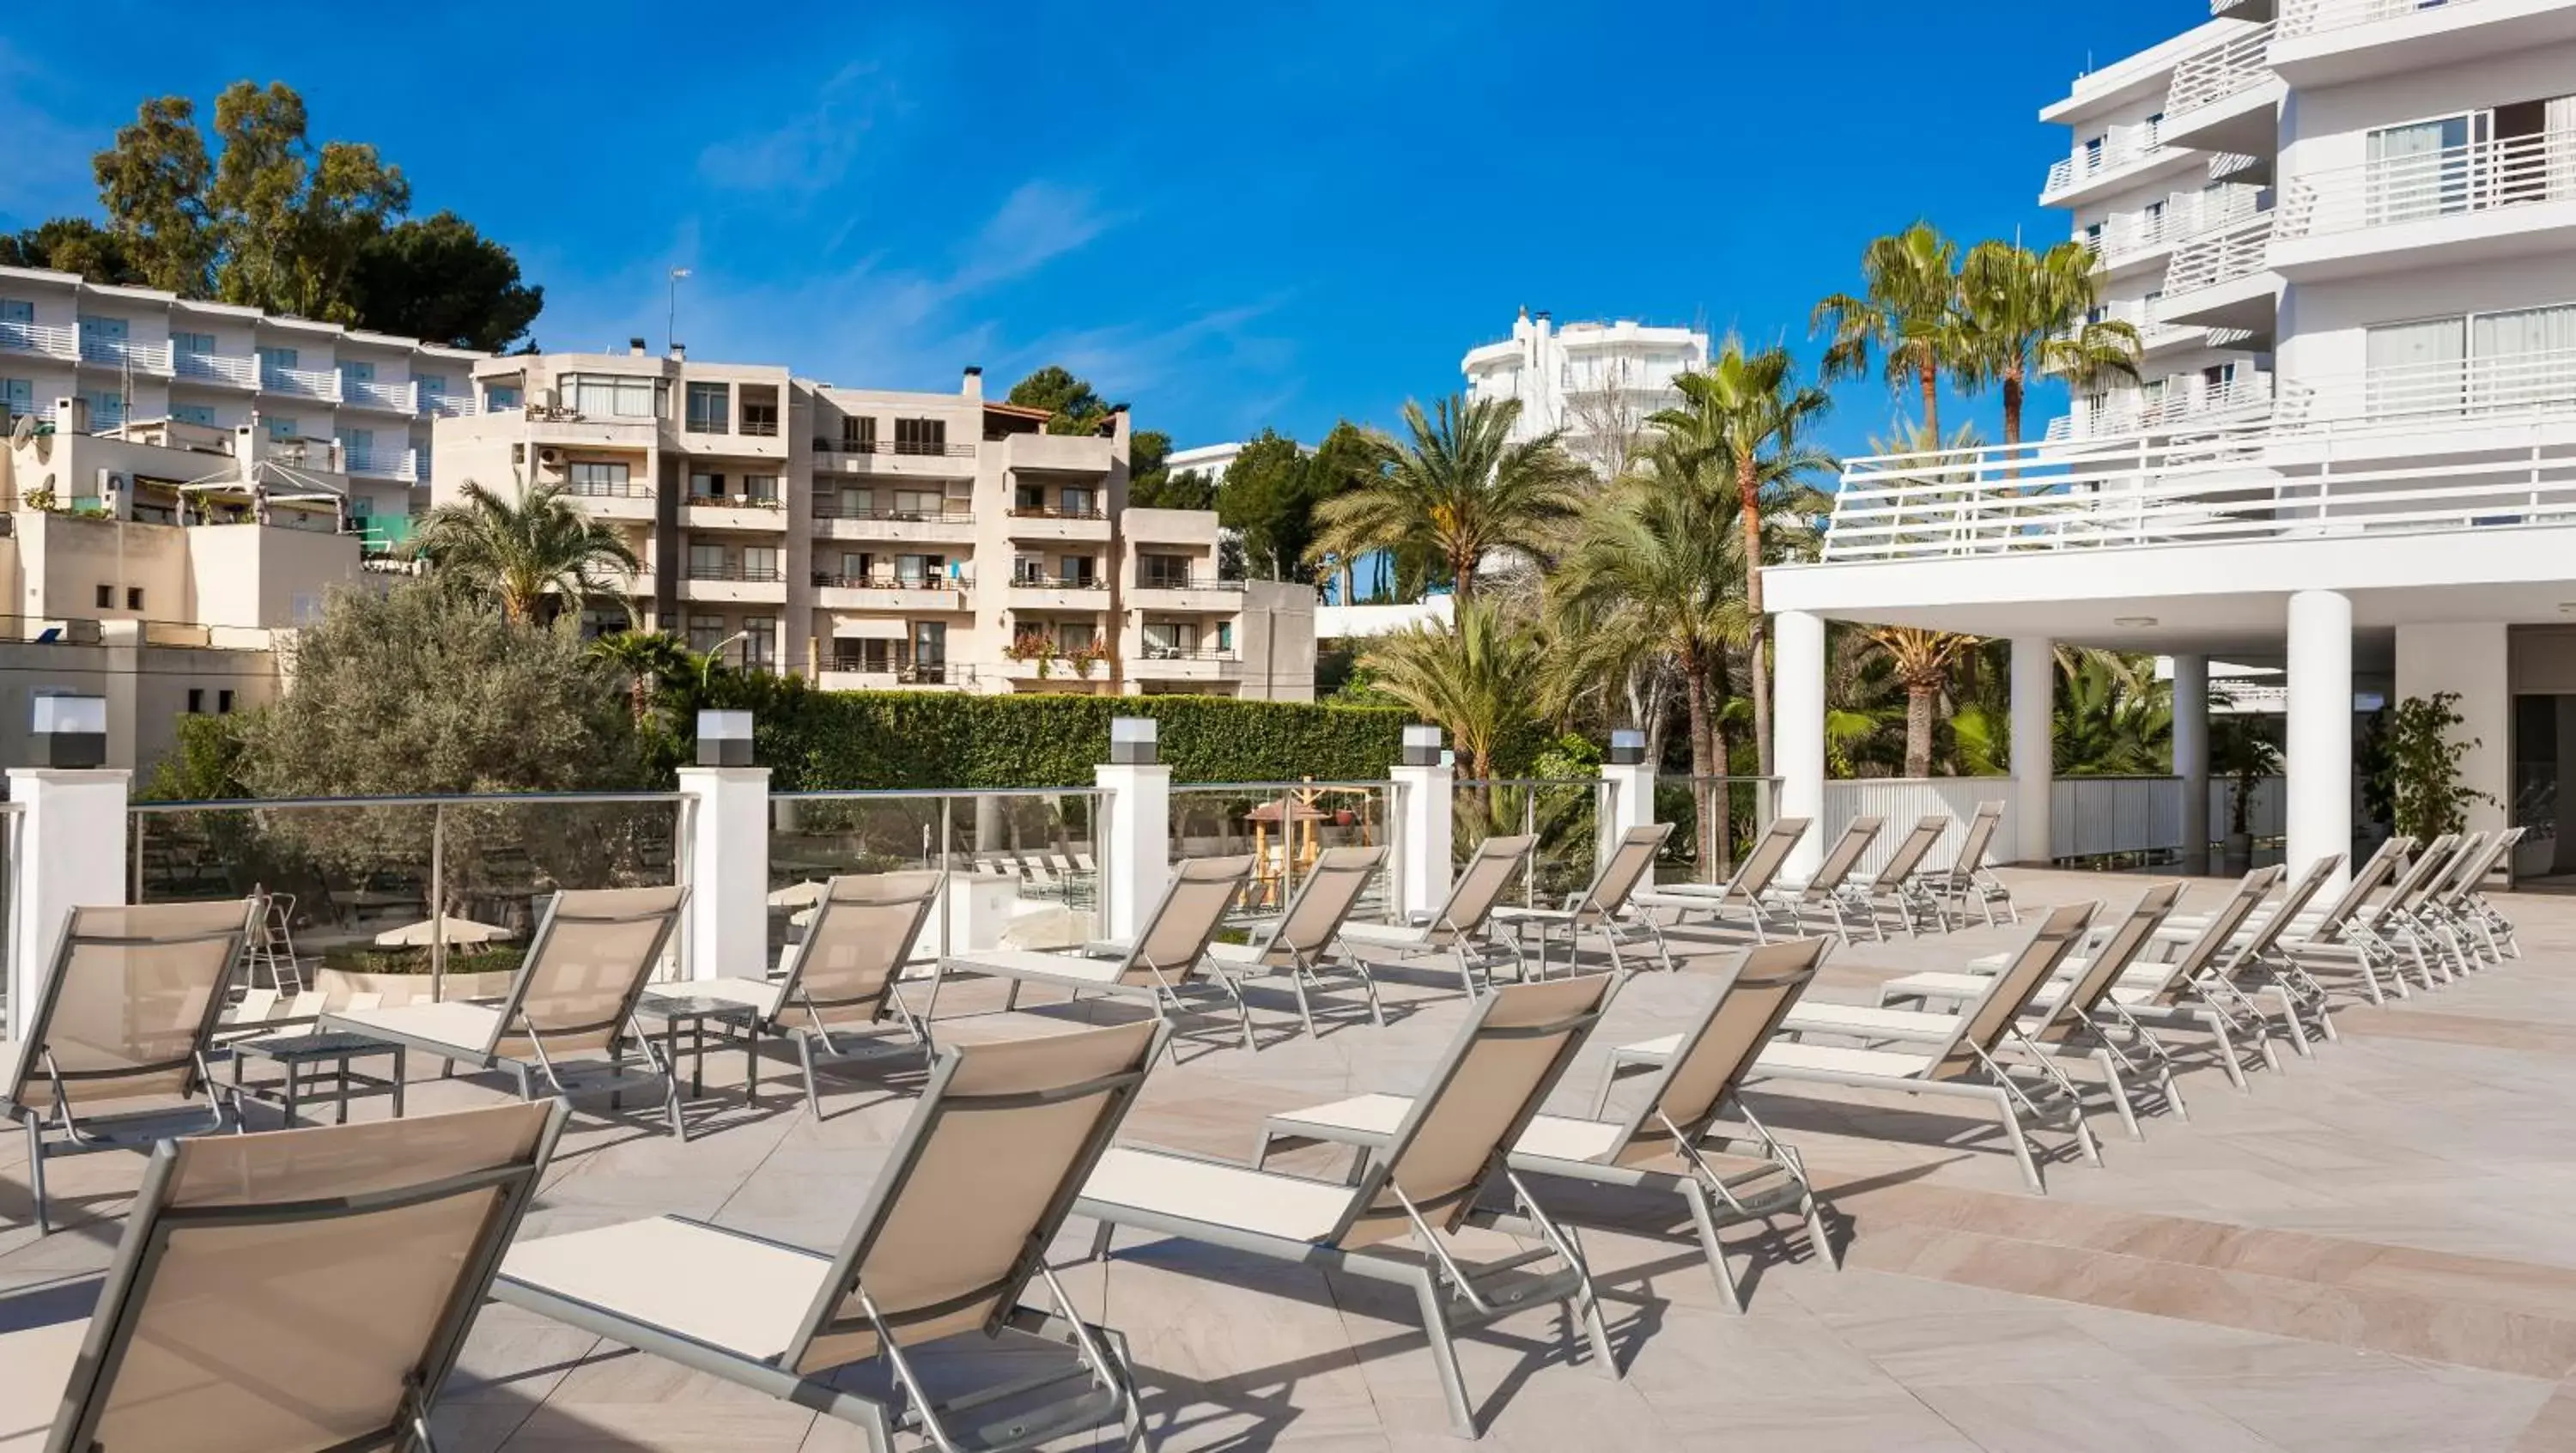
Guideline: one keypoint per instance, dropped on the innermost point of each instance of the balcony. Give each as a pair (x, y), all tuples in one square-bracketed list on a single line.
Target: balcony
[(913, 594), (390, 398), (397, 464), (125, 353), (2226, 98), (1049, 522), (226, 369), (611, 501), (2224, 280), (894, 458), (45, 340), (1186, 593), (2129, 238), (2243, 399), (2159, 334), (833, 521), (729, 581), (2335, 42), (2462, 204), (447, 406), (2125, 154), (1058, 453), (302, 383), (1174, 663), (859, 673), (733, 512), (2506, 387), (1054, 592)]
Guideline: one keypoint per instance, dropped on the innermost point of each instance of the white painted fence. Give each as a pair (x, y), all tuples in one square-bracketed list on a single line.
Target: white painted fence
[(1902, 800), (2089, 817)]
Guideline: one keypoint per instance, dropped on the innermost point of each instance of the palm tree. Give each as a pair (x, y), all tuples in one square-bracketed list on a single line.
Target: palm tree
[(1470, 677), (2026, 314), (1748, 411), (648, 658), (1921, 660), (1458, 489), (519, 552), (1908, 311)]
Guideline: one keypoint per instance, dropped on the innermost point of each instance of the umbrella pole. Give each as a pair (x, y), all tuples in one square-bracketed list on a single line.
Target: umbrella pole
[(437, 902)]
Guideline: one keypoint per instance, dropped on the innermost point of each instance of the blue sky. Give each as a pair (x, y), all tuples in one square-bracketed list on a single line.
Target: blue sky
[(1233, 216)]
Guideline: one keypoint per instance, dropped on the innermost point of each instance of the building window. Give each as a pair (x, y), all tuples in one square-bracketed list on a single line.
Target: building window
[(760, 562), (194, 414), (859, 435), (1079, 504), (599, 477), (600, 621), (1031, 499), (1078, 570), (196, 700), (856, 566), (916, 504), (609, 396), (1225, 636), (17, 396), (193, 345), (856, 504), (760, 640), (921, 436), (706, 562), (706, 633), (276, 358), (705, 484), (134, 597), (107, 597), (760, 488), (281, 429), (502, 397), (223, 703), (106, 408), (759, 411), (431, 383), (710, 404), (1163, 572)]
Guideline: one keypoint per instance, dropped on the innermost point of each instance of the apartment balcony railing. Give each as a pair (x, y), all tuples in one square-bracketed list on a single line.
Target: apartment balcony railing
[(238, 371), (2307, 17), (2452, 181), (305, 383), (1055, 512), (1033, 581), (1153, 652), (2536, 383), (750, 574), (2186, 216), (825, 580), (447, 406), (905, 672), (48, 339), (399, 398), (932, 448), (2244, 399), (1156, 580), (2145, 315), (2221, 257), (2329, 479), (758, 428), (738, 501), (610, 489), (125, 353), (2120, 146), (828, 508), (2239, 63), (402, 464)]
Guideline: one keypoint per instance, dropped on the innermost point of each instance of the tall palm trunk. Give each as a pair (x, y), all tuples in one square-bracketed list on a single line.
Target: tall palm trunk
[(2012, 406), (1703, 791), (1462, 580), (1919, 700), (1722, 791), (1749, 506), (1929, 378)]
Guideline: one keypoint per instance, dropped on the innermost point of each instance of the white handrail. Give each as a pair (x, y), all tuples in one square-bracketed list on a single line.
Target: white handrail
[(220, 368), (2307, 17), (372, 393), (2223, 256), (2120, 146), (311, 383), (151, 358), (2477, 177), (2241, 399), (51, 339), (2239, 63)]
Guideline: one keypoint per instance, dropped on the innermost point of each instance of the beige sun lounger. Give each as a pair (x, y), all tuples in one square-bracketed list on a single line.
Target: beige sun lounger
[(1457, 929), (285, 1292), (1663, 1144), (1898, 887), (2456, 909), (944, 1245), (1420, 1187), (1746, 893), (117, 1041), (1602, 907), (1962, 1064), (842, 978), (1969, 878), (1165, 961), (1304, 946), (574, 995), (1823, 893)]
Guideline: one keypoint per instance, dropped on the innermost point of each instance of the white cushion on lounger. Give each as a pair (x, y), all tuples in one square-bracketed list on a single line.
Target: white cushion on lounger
[(728, 1291), (1662, 1048), (1861, 1019), (1028, 963), (1375, 1114), (1390, 935), (467, 1026), (1966, 986), (1826, 1059), (1266, 1202), (1555, 1137)]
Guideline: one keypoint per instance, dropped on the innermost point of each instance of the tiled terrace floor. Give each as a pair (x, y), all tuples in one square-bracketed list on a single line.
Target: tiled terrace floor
[(2371, 1251)]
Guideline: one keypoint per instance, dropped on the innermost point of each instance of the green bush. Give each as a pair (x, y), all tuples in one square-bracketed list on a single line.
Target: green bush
[(918, 739), (359, 958)]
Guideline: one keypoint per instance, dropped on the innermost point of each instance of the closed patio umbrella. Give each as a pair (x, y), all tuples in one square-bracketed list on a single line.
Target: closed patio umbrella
[(451, 928)]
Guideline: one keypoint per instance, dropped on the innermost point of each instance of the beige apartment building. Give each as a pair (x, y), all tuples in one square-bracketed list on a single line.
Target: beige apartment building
[(872, 539)]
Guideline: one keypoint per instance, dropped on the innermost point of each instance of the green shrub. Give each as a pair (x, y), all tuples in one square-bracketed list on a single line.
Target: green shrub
[(359, 958)]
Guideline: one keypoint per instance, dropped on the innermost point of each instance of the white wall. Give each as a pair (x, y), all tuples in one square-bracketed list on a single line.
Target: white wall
[(2470, 660)]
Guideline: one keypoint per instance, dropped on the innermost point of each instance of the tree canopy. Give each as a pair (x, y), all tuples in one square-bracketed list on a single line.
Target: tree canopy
[(1075, 407)]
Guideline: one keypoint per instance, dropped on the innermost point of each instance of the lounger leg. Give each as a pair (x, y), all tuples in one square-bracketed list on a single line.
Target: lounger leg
[(1444, 1355), (36, 1174), (813, 1087), (1588, 1307), (1011, 997), (1704, 1218), (2110, 1063), (1368, 982), (1297, 983), (1816, 1232), (2020, 1142), (1100, 1236)]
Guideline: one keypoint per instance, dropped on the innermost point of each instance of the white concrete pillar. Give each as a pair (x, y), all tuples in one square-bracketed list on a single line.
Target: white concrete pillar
[(727, 928), (2034, 738), (2191, 757), (2318, 753), (1798, 729), (70, 853), (1423, 833), (1135, 844), (1631, 787), (2469, 662)]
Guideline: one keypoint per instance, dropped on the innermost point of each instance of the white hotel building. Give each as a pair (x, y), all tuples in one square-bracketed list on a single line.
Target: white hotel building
[(2347, 232), (1585, 380)]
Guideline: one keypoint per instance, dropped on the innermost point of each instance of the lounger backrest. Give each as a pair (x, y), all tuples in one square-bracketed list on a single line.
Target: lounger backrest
[(1838, 864), (1508, 1055), (1629, 862), (1497, 860), (1193, 908), (586, 967), (975, 1189), (1989, 1018), (2292, 904), (2417, 879), (2110, 959), (293, 1289), (863, 931), (1980, 835), (1719, 1047), (2470, 849), (1910, 853), (1323, 904), (2220, 930), (1763, 864), (2459, 885), (2338, 915), (130, 1003)]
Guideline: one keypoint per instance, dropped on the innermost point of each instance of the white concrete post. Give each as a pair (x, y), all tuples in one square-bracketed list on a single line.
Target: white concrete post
[(70, 854), (1423, 785), (2191, 757), (1632, 790), (2034, 733), (727, 933), (1798, 730), (2318, 752), (1136, 854)]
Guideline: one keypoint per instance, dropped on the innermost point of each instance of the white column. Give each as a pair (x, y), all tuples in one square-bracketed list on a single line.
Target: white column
[(1632, 801), (1422, 797), (70, 853), (2191, 757), (727, 934), (1798, 729), (1136, 848), (2034, 734), (2318, 753)]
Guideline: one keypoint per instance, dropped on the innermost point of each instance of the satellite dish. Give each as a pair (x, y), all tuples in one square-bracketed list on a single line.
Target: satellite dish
[(23, 430)]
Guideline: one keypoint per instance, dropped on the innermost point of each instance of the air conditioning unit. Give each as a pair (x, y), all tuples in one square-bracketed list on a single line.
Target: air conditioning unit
[(518, 454), (550, 458)]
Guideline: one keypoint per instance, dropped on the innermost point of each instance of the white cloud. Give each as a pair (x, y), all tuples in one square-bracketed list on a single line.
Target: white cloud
[(812, 150)]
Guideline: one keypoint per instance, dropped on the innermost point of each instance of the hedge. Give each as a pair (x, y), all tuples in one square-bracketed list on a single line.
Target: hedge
[(922, 739)]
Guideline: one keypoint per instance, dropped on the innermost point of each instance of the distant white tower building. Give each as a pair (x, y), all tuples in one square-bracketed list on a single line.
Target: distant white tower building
[(1598, 382)]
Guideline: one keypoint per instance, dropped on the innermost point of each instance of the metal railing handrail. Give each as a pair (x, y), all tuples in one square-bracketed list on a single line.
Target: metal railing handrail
[(2234, 65), (1357, 785), (2238, 250), (890, 794), (2477, 176), (2308, 17), (262, 804), (825, 444)]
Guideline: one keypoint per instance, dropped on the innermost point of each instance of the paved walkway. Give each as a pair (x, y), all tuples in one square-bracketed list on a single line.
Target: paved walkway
[(2370, 1251)]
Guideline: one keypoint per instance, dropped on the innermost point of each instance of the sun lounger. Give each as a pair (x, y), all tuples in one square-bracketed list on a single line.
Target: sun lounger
[(117, 1040), (2458, 911), (1969, 879), (1664, 1143), (574, 995), (2338, 943), (1899, 888), (1745, 893), (1962, 1065), (1823, 893), (1161, 964), (1601, 908), (284, 1292), (941, 1250), (1421, 1187), (1456, 930), (1304, 946), (841, 979)]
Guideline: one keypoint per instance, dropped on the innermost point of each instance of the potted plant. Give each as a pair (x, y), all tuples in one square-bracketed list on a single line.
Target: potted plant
[(2419, 768), (2245, 754), (1089, 654), (1028, 646)]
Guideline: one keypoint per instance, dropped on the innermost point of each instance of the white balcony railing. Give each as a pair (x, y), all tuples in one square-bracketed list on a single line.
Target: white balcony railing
[(2540, 383), (2243, 399), (447, 406), (125, 353), (2453, 181), (239, 371), (2307, 17), (2223, 256), (2185, 215), (306, 383), (2239, 63), (401, 464), (368, 393), (2120, 146), (49, 339)]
